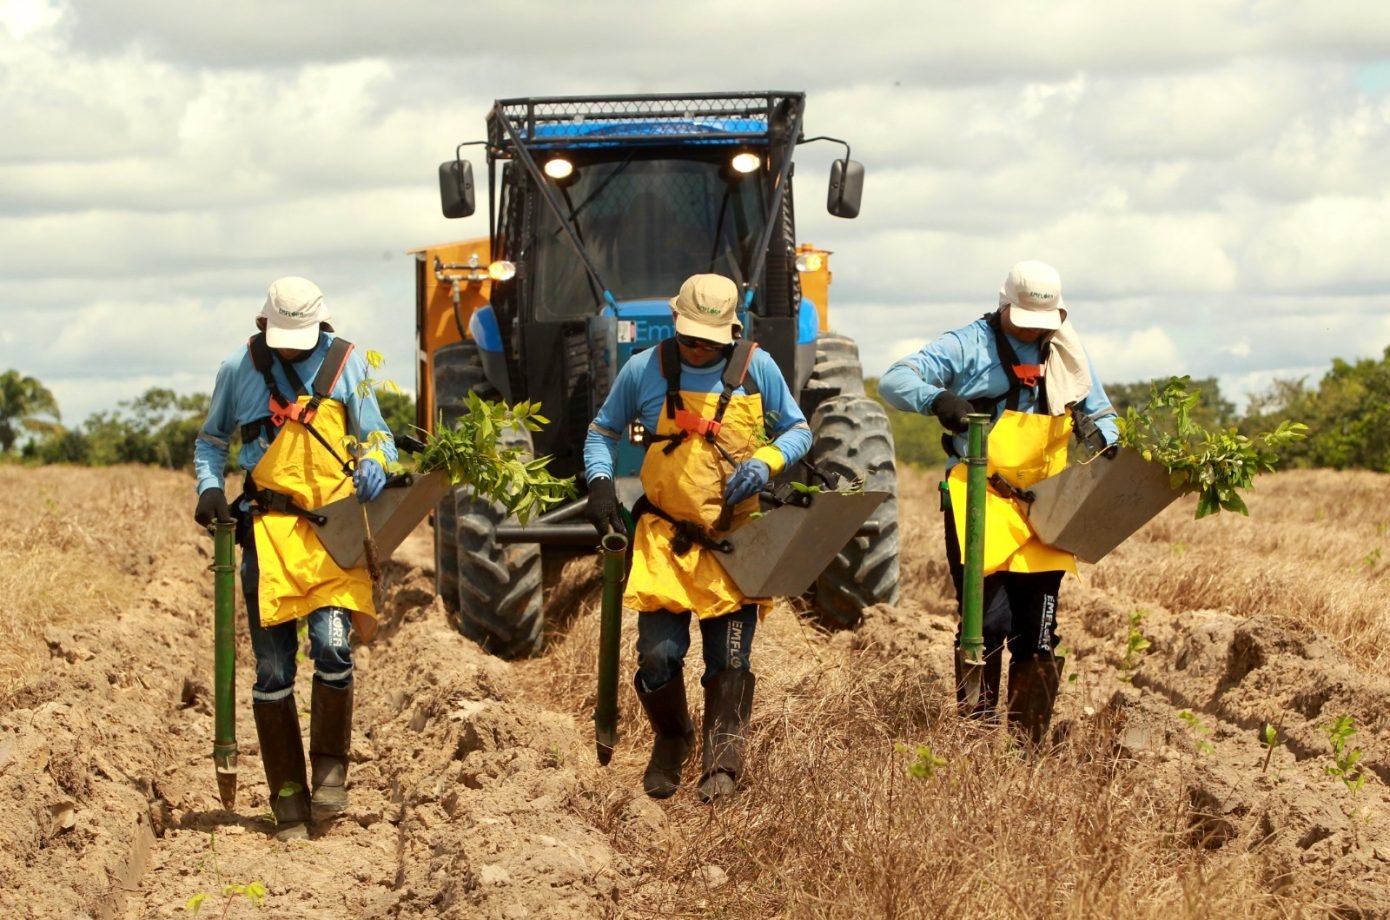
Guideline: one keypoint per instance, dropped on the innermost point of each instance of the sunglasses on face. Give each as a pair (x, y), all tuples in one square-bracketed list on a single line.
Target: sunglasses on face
[(690, 341)]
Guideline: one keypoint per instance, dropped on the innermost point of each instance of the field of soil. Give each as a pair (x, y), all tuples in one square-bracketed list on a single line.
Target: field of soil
[(476, 792)]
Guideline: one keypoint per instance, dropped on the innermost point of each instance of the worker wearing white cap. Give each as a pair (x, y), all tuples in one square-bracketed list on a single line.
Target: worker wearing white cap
[(295, 394), (1025, 367)]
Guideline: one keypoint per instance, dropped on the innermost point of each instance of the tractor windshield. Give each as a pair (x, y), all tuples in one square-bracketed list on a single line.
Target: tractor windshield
[(647, 224)]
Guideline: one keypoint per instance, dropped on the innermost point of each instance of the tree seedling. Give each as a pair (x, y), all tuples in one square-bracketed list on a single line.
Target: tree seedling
[(1199, 731), (1344, 757), (1269, 740), (1215, 464), (255, 892), (1136, 645)]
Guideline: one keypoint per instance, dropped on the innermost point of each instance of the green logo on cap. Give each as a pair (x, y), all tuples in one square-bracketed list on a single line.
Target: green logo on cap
[(708, 311)]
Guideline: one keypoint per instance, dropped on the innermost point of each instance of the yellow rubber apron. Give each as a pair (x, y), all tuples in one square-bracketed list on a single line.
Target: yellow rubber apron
[(298, 576), (1024, 448), (688, 484)]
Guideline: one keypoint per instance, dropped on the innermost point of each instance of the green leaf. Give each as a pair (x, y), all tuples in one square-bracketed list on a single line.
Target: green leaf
[(195, 903)]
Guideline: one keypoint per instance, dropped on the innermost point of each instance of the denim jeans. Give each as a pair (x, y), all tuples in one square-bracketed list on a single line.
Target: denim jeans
[(663, 638), (277, 647)]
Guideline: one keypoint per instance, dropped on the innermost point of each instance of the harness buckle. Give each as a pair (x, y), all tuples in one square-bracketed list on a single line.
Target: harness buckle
[(1029, 374), (694, 424)]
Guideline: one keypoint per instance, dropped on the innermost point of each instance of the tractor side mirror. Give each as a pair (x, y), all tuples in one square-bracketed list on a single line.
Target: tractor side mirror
[(846, 188), (456, 197)]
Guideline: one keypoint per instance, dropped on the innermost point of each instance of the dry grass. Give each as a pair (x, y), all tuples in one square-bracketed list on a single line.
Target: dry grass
[(830, 824), (1315, 548), (76, 544)]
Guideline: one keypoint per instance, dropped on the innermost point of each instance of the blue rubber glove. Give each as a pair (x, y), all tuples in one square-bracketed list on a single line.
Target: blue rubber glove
[(748, 480), (369, 479)]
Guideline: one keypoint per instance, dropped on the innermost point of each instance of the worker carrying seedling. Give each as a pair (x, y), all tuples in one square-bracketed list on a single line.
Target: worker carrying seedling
[(719, 422), (1024, 366), (295, 394)]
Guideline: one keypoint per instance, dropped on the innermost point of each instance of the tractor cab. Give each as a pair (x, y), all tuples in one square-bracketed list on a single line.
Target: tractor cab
[(598, 209)]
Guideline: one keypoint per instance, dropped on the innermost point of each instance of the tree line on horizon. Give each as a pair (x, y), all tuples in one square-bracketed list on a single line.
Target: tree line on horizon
[(1347, 413)]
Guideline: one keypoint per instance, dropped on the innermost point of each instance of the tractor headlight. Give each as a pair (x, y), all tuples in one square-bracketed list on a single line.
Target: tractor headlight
[(745, 162), (502, 270), (559, 168), (810, 262)]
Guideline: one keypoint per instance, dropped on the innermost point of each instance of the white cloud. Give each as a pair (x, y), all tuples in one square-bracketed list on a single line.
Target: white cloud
[(1209, 177)]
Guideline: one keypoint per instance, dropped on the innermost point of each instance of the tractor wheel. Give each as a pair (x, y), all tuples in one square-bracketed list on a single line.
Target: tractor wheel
[(837, 366), (494, 590), (854, 441)]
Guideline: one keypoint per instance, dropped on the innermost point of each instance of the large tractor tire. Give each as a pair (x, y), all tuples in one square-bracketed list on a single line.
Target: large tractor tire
[(837, 367), (494, 590), (853, 440)]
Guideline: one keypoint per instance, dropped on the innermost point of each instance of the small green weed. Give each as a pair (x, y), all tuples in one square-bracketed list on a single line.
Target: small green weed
[(1199, 730), (925, 762)]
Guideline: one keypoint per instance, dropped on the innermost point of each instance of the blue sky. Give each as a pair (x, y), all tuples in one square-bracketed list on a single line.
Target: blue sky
[(1210, 178)]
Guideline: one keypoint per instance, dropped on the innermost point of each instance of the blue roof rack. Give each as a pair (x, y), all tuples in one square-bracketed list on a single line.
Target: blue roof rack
[(605, 121)]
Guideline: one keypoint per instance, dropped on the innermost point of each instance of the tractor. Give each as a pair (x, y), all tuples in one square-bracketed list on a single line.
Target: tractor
[(598, 209)]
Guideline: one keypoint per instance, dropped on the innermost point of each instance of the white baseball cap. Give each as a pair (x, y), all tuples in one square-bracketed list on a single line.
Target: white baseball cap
[(293, 309), (1034, 291)]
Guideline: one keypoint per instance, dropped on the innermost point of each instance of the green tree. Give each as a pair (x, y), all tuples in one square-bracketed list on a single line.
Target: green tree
[(1348, 414), (398, 410), (25, 404), (158, 427)]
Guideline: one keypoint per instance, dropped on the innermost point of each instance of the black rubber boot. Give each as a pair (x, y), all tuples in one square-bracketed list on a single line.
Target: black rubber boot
[(282, 754), (330, 738), (987, 707), (1032, 692), (675, 736), (728, 703)]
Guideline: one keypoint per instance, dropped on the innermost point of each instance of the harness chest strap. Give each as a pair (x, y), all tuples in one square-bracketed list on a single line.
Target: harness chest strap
[(735, 375), (1018, 375), (282, 409)]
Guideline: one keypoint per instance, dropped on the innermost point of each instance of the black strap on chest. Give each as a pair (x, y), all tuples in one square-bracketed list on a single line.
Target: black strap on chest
[(1019, 375), (739, 359), (281, 409)]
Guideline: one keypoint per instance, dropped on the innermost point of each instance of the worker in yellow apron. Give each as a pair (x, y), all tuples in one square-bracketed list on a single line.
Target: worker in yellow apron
[(295, 455), (1023, 365), (718, 422)]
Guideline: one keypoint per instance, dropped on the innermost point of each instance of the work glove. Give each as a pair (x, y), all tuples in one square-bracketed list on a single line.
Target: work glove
[(369, 479), (748, 480), (951, 410), (603, 510), (212, 506)]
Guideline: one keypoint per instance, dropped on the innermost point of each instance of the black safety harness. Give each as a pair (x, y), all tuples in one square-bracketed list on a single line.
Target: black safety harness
[(263, 358), (689, 424)]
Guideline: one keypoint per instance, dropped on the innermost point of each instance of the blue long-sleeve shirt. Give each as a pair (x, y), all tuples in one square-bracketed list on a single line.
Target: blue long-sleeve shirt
[(966, 361), (240, 396), (639, 394)]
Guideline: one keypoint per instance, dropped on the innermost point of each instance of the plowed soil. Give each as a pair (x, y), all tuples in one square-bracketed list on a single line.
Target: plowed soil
[(476, 792)]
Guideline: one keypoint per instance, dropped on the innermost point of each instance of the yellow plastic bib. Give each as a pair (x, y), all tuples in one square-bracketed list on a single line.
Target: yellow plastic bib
[(688, 484), (1024, 448), (298, 576)]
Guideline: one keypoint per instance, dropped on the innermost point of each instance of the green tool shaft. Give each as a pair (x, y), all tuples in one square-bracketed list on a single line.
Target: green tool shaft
[(614, 546), (224, 749), (972, 641)]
